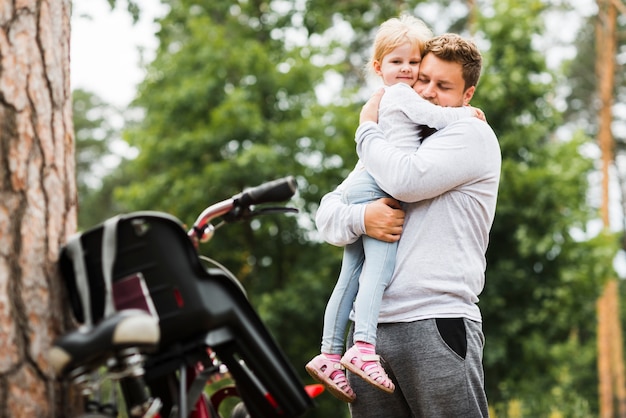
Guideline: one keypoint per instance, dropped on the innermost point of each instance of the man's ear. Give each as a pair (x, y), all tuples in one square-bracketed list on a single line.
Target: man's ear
[(468, 94)]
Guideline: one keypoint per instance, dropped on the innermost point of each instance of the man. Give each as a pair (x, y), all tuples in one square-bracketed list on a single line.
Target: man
[(429, 331)]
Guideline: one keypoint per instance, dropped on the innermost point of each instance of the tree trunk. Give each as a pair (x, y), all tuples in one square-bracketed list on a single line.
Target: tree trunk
[(612, 385), (37, 200)]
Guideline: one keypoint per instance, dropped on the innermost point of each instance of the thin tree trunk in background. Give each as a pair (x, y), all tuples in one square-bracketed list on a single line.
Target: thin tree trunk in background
[(37, 199), (605, 389), (617, 352), (612, 387), (471, 19)]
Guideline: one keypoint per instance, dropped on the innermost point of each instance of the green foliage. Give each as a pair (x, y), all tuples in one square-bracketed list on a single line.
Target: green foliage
[(293, 314), (231, 101), (95, 131)]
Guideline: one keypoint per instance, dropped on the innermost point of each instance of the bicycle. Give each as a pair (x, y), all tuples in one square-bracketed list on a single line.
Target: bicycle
[(165, 323)]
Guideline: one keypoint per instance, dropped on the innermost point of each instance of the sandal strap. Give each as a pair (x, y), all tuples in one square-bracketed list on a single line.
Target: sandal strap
[(340, 379), (376, 373), (370, 357), (338, 366)]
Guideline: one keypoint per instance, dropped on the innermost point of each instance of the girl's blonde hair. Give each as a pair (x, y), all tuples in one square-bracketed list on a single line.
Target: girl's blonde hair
[(398, 31)]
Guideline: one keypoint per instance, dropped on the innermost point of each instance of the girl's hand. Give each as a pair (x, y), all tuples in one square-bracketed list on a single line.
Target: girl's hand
[(369, 112), (479, 113)]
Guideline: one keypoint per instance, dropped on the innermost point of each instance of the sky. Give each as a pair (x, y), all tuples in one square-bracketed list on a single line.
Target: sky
[(104, 48)]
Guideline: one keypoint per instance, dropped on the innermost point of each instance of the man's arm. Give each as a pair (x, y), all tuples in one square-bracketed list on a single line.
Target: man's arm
[(341, 224), (338, 223)]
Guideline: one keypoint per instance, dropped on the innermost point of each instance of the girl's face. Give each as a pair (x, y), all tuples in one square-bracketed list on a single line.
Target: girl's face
[(401, 65)]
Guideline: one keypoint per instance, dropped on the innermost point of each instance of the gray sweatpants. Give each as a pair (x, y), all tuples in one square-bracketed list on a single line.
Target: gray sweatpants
[(436, 365)]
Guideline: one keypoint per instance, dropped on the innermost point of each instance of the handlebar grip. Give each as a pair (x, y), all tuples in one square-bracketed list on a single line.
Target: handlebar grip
[(274, 191)]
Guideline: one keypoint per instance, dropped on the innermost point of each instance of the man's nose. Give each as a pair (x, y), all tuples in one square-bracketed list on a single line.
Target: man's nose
[(428, 91)]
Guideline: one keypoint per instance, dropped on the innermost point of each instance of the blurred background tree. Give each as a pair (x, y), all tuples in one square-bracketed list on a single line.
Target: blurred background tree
[(244, 92), (97, 127)]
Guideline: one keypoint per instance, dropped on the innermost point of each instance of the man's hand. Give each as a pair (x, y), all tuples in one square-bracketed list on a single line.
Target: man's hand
[(384, 219), (369, 112)]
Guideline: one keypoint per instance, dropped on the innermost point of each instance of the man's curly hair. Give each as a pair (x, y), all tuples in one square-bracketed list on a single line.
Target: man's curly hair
[(454, 48)]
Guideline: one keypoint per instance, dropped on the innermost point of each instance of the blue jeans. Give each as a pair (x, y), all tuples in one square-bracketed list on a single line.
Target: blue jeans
[(366, 270)]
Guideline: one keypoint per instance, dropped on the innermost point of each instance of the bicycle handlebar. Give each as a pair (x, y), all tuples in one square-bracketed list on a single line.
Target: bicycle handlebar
[(273, 191)]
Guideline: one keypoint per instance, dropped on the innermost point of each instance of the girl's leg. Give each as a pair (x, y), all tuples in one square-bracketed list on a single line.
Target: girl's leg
[(362, 359), (380, 259), (336, 316), (360, 189), (326, 367)]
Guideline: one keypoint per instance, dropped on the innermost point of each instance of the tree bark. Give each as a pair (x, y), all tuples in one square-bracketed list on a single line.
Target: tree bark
[(37, 200)]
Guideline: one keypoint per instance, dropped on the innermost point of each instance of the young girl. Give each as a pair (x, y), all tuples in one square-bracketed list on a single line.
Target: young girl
[(368, 263)]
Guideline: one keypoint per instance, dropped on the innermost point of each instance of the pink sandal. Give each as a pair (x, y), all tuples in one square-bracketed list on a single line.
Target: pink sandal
[(330, 374), (361, 365)]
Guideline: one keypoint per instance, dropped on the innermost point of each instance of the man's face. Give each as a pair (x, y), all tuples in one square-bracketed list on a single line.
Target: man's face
[(441, 82)]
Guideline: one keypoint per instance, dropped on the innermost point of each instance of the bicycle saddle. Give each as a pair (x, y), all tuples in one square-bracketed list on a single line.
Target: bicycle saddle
[(89, 348)]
